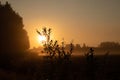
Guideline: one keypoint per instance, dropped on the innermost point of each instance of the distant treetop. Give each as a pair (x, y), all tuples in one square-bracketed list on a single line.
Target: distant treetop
[(109, 44)]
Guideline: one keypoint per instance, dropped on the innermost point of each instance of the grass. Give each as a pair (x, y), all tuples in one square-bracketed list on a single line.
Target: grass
[(40, 68)]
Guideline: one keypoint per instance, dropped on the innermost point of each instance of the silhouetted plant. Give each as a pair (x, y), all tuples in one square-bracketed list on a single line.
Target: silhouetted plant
[(91, 64), (58, 56), (52, 48), (90, 55)]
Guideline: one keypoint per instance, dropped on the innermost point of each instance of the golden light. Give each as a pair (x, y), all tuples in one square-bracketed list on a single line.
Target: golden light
[(42, 39)]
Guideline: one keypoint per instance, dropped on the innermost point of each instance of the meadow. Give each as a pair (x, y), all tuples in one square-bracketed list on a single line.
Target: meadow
[(76, 68)]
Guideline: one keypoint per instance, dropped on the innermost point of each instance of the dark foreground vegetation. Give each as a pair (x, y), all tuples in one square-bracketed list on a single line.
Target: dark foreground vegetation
[(76, 68)]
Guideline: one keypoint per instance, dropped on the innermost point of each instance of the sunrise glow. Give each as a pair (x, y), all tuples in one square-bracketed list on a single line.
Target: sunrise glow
[(42, 39)]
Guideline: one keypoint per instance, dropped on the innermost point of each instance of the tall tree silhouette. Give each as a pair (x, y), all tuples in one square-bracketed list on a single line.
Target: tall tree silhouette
[(13, 38)]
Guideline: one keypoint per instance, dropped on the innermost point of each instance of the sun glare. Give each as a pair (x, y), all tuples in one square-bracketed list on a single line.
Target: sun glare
[(42, 39)]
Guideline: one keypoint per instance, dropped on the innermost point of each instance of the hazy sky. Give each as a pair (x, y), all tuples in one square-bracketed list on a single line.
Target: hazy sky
[(84, 21)]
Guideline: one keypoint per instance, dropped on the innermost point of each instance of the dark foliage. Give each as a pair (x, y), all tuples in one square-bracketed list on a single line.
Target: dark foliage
[(52, 48), (109, 45), (13, 38)]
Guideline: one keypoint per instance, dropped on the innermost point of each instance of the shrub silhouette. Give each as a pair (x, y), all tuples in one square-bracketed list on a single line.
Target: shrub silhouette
[(58, 58), (52, 48)]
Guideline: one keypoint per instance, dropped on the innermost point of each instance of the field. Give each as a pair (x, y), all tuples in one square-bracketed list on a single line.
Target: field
[(75, 68)]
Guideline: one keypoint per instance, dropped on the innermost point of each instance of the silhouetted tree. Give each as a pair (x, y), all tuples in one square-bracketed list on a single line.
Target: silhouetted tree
[(84, 46), (77, 47), (109, 45), (13, 36)]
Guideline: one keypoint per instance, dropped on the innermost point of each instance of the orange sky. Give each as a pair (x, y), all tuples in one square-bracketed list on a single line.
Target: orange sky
[(84, 21)]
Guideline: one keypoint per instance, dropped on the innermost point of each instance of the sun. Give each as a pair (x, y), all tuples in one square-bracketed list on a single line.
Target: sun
[(42, 39)]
